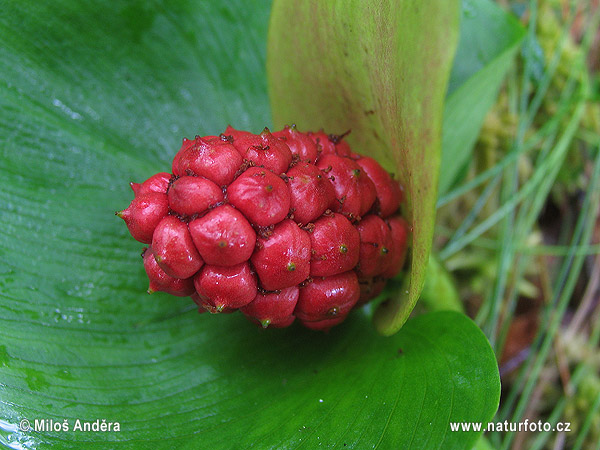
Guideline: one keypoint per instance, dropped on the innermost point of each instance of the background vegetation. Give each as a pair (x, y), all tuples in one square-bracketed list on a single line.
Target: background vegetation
[(520, 233)]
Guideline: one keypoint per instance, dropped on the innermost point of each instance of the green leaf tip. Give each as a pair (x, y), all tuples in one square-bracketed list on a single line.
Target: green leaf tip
[(388, 65)]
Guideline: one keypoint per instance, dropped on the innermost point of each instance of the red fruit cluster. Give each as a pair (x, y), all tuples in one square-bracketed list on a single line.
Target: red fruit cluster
[(278, 225)]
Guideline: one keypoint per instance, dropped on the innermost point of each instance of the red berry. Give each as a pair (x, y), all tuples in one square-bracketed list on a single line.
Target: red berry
[(369, 289), (273, 308), (324, 145), (330, 144), (299, 143), (236, 134), (265, 150), (354, 190), (335, 246), (204, 306), (193, 195), (160, 281), (223, 236), (311, 192), (375, 246), (216, 160), (174, 249), (198, 301), (187, 143), (399, 230), (226, 287), (328, 298), (261, 195), (156, 183), (143, 215), (388, 190), (283, 258), (342, 148), (284, 323), (279, 225)]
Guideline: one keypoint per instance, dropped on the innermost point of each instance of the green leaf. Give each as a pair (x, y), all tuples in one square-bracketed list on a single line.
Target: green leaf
[(189, 381), (92, 96), (489, 39), (439, 292), (483, 444), (379, 68)]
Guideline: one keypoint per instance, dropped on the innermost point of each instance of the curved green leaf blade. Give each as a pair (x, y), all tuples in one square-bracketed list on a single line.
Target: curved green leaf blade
[(379, 68), (93, 96), (217, 383), (489, 39)]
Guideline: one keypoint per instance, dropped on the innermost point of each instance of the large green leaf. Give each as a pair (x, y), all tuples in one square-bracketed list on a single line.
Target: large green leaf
[(181, 381), (379, 68), (93, 95), (489, 39)]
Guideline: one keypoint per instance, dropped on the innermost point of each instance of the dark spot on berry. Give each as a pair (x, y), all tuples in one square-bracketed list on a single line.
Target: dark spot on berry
[(333, 311), (309, 227), (259, 147), (222, 244), (226, 138), (343, 248), (306, 282), (352, 218), (291, 267)]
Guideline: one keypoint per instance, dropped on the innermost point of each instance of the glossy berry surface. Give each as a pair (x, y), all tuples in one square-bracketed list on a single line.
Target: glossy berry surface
[(283, 226)]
